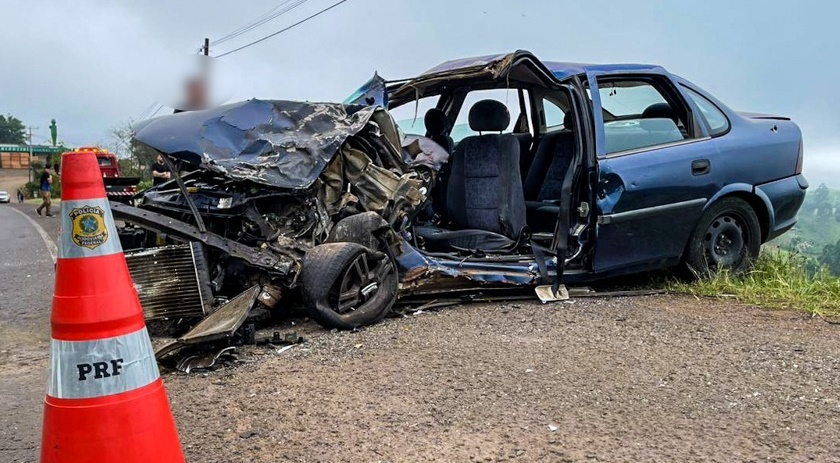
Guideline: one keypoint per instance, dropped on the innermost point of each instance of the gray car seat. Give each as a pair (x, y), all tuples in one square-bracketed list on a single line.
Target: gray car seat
[(438, 127), (484, 202), (544, 182)]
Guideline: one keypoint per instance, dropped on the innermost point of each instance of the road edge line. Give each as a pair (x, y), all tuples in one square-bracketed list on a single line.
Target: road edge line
[(51, 247)]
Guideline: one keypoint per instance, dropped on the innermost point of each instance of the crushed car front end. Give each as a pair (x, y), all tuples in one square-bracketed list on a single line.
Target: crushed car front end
[(259, 184)]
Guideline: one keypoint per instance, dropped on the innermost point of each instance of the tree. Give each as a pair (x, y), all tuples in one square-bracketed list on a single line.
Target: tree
[(831, 257), (12, 130), (837, 210), (822, 200), (135, 158)]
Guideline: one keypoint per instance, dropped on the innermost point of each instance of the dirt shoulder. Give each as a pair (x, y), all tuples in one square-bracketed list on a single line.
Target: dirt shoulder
[(641, 379)]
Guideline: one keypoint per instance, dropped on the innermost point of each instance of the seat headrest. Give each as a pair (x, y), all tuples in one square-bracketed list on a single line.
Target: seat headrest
[(489, 116), (658, 111), (569, 120), (437, 123)]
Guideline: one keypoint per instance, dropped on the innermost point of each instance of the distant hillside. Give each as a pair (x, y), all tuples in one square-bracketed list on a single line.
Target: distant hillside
[(818, 227)]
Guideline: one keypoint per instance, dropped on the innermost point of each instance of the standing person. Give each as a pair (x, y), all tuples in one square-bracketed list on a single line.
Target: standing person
[(160, 171), (46, 184), (20, 196)]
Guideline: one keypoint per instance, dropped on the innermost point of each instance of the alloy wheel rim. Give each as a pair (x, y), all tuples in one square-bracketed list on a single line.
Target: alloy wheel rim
[(359, 283)]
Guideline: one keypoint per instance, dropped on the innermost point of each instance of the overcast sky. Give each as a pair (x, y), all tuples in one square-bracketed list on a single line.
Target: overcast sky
[(93, 65)]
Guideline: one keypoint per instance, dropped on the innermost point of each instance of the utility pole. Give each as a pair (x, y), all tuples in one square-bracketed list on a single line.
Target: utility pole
[(30, 152), (206, 46)]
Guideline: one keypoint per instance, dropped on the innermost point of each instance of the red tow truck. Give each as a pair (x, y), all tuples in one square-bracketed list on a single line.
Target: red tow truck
[(117, 187)]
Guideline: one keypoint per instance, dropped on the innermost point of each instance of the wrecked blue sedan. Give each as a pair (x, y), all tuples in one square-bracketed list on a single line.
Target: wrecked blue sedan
[(480, 174)]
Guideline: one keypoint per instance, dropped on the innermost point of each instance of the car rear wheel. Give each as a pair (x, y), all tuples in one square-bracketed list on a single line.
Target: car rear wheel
[(728, 237), (347, 285)]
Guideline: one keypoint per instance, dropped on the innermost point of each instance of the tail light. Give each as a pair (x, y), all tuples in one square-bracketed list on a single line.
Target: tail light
[(130, 189), (800, 158)]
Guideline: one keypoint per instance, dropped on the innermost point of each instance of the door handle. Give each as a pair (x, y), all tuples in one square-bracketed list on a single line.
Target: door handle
[(701, 167)]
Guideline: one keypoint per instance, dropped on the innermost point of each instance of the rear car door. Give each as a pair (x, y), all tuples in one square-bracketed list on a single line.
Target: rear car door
[(657, 170)]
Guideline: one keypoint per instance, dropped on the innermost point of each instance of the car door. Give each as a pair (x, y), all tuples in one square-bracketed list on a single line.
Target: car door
[(657, 170)]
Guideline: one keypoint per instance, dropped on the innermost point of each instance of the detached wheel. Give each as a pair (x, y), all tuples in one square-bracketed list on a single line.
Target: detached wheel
[(347, 285), (728, 236)]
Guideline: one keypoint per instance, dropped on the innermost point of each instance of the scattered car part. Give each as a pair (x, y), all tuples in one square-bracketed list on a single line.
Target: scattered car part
[(547, 293), (224, 322), (270, 296), (285, 348), (288, 338), (219, 325), (204, 360)]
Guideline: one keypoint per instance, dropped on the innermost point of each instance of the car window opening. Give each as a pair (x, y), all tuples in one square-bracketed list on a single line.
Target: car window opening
[(644, 115)]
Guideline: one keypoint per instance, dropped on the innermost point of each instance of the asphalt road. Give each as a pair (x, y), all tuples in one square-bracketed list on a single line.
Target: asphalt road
[(26, 269), (26, 287)]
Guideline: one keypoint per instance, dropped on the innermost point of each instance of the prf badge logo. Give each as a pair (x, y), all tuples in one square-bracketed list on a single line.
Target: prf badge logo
[(89, 229)]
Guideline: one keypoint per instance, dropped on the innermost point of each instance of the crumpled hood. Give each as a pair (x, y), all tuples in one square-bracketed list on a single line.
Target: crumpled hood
[(285, 144)]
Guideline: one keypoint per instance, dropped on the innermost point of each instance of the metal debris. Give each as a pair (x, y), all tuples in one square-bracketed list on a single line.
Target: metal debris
[(219, 325), (546, 293), (204, 361), (284, 348)]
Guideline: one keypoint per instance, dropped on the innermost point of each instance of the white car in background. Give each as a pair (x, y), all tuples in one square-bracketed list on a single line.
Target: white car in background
[(4, 197)]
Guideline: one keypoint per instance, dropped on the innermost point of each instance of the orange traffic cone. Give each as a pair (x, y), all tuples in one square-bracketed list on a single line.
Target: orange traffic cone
[(105, 399)]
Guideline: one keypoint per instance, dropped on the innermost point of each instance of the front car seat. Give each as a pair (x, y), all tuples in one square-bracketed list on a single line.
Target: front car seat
[(438, 128), (484, 199), (544, 182)]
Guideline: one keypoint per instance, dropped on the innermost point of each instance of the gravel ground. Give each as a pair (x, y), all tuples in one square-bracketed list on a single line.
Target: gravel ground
[(634, 379)]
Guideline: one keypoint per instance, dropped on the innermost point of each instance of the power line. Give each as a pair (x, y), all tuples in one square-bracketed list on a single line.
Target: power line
[(283, 30), (252, 22), (146, 111), (154, 113), (262, 19)]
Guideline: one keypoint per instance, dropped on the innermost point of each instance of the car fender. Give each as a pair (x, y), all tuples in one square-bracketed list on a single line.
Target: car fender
[(754, 196)]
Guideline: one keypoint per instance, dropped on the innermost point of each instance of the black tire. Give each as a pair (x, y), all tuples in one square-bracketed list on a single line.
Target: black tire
[(346, 285), (728, 236)]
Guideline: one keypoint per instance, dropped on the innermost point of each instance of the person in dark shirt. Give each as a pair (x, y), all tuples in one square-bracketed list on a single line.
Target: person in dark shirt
[(160, 171), (45, 184)]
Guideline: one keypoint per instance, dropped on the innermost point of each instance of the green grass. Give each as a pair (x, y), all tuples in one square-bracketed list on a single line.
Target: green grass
[(778, 280)]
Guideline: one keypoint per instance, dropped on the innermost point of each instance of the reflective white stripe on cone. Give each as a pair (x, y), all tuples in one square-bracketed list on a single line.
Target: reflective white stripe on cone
[(102, 367)]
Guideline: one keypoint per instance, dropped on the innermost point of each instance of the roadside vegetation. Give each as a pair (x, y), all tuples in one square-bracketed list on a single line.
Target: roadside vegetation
[(780, 279), (800, 270)]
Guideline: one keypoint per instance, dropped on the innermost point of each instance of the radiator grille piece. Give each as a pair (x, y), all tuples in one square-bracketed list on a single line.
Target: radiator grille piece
[(171, 281)]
